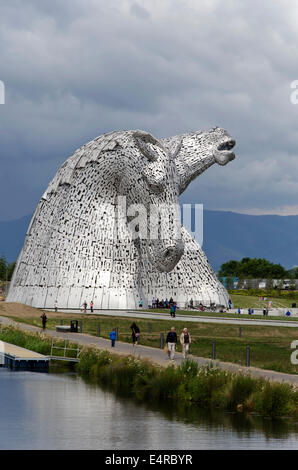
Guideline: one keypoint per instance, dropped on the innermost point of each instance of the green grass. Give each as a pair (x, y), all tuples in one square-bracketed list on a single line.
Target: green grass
[(192, 313), (250, 301), (270, 345)]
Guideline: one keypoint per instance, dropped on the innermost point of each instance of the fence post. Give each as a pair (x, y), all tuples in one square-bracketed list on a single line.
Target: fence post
[(247, 356), (149, 327), (98, 329), (117, 332), (81, 326), (61, 322), (162, 340), (240, 332), (213, 350)]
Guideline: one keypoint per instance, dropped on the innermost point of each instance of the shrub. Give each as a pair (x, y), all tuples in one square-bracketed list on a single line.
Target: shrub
[(189, 368), (239, 391), (275, 399)]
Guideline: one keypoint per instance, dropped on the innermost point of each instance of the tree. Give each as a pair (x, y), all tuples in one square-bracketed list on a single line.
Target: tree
[(3, 267), (229, 269), (10, 270), (253, 268)]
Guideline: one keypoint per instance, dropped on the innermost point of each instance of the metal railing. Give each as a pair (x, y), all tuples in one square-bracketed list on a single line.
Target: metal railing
[(65, 350)]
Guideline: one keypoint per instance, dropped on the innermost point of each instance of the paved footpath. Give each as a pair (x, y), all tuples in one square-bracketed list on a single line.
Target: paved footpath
[(186, 318), (156, 355)]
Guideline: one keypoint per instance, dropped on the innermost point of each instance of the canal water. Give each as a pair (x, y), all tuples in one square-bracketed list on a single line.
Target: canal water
[(62, 411)]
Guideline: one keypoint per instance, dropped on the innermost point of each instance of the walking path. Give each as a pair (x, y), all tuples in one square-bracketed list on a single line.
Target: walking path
[(191, 318), (153, 354)]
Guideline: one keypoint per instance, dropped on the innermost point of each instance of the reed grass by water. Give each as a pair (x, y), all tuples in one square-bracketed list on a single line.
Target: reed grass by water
[(208, 388)]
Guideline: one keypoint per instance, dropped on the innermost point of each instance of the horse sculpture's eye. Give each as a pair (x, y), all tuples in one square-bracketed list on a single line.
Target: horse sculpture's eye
[(156, 187), (155, 178)]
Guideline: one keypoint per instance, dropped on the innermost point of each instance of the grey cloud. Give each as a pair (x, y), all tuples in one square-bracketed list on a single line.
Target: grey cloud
[(74, 70), (139, 11)]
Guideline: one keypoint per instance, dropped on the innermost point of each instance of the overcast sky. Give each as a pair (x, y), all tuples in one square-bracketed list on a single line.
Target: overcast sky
[(74, 69)]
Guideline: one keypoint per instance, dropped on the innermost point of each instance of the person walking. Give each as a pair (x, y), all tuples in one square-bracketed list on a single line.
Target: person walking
[(185, 341), (113, 338), (85, 306), (171, 342), (91, 306), (140, 303), (44, 320), (173, 310), (135, 334)]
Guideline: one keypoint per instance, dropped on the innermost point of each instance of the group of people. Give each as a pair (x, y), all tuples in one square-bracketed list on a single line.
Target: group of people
[(135, 334), (85, 306), (169, 304), (250, 311), (156, 303), (171, 341)]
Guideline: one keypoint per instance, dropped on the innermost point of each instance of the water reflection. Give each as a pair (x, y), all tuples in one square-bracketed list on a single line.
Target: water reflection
[(40, 411), (243, 424)]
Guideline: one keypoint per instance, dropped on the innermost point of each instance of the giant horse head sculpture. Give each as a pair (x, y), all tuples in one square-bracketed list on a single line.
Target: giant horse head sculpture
[(65, 250)]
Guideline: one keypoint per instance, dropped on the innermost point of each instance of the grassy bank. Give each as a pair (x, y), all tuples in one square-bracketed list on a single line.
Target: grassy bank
[(203, 388), (206, 388), (37, 342), (270, 346)]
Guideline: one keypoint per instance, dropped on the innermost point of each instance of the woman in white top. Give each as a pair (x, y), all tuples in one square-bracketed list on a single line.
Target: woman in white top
[(185, 341)]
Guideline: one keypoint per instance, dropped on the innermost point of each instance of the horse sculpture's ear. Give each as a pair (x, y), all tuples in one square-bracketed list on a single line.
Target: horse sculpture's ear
[(146, 143)]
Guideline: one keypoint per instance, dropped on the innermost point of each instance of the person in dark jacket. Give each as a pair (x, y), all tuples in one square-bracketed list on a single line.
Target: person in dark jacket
[(135, 333), (44, 320), (171, 342)]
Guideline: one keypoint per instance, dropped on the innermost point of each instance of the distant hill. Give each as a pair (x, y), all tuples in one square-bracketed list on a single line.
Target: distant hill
[(227, 235)]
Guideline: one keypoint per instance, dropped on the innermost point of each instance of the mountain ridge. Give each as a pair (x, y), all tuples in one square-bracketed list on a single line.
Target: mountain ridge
[(227, 235)]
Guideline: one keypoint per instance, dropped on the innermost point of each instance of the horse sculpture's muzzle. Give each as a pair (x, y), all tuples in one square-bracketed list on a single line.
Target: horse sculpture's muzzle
[(164, 255)]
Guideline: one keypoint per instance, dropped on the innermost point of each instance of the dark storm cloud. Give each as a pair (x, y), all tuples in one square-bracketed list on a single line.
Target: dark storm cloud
[(75, 69)]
